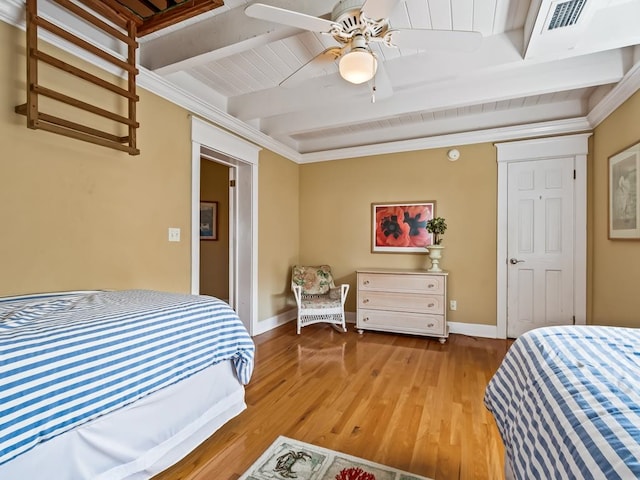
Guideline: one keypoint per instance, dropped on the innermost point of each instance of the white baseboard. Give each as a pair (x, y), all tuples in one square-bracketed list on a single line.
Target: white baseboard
[(471, 329), (474, 329), (276, 321)]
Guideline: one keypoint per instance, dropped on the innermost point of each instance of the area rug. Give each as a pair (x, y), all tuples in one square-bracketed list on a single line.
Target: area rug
[(287, 458)]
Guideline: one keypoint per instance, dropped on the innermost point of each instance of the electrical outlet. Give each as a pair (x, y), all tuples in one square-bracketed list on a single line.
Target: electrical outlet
[(453, 305), (174, 234)]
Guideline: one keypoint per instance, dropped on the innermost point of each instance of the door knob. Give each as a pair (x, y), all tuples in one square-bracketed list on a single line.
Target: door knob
[(513, 261)]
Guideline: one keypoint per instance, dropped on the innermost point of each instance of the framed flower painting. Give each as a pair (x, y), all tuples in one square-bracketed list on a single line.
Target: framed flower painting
[(401, 227)]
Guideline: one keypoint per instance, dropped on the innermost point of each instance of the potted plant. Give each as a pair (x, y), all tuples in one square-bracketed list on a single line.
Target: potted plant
[(436, 226)]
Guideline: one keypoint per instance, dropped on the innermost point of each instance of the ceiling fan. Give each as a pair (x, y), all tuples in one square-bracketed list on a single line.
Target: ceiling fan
[(355, 24)]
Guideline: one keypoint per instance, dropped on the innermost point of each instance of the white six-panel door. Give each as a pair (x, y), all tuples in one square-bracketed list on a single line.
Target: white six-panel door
[(540, 244), (541, 219)]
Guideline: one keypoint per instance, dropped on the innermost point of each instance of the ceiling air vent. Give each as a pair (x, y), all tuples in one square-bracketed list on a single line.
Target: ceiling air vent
[(566, 14)]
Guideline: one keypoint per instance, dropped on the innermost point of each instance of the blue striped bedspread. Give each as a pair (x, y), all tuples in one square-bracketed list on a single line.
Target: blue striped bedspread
[(567, 403), (68, 358)]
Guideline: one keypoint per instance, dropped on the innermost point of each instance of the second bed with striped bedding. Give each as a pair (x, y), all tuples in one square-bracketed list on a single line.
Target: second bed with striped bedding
[(567, 403)]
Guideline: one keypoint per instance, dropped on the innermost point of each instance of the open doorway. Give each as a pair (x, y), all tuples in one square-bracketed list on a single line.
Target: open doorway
[(212, 143), (215, 275)]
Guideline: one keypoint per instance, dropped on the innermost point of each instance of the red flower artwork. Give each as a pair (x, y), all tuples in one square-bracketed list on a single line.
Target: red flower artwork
[(402, 225), (354, 473)]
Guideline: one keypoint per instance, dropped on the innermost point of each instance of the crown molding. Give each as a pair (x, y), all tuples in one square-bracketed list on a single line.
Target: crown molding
[(12, 12), (629, 84), (558, 127), (155, 84)]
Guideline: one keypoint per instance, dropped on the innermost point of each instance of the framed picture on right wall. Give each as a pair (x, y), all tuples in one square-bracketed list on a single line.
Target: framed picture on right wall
[(624, 187)]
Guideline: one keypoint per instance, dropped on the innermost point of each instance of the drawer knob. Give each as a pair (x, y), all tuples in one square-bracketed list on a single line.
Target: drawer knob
[(366, 282), (365, 319), (431, 285), (431, 305), (431, 325), (365, 300)]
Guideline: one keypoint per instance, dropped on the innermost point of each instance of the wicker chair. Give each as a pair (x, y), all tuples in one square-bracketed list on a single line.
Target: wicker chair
[(318, 299)]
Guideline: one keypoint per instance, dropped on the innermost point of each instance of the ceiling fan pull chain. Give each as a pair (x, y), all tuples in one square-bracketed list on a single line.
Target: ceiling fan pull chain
[(373, 79)]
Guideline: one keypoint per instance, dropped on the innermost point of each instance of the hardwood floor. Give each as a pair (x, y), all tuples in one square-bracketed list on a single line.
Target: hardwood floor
[(404, 401)]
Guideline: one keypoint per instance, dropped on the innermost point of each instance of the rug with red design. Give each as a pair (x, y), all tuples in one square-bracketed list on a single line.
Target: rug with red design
[(287, 458)]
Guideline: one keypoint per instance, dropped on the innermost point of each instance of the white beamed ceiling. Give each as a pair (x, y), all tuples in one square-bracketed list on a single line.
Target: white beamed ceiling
[(524, 80)]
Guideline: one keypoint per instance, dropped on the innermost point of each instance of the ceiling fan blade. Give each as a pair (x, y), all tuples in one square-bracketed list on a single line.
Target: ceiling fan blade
[(455, 40), (312, 68), (291, 18), (379, 9)]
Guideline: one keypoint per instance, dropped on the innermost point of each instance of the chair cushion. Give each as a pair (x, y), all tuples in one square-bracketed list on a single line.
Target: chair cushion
[(323, 301), (313, 280)]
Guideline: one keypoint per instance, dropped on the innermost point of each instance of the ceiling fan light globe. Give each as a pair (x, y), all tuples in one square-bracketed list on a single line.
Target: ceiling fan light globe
[(358, 66)]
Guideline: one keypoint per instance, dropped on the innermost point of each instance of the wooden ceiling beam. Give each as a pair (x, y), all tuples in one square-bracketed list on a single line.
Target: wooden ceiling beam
[(177, 14), (118, 8), (160, 4), (90, 18), (121, 19), (145, 17), (138, 8)]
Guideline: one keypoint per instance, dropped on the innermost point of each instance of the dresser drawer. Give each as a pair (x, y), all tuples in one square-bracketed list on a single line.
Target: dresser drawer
[(400, 322), (401, 283), (404, 302)]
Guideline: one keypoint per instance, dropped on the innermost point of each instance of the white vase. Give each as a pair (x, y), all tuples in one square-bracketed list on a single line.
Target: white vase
[(435, 254)]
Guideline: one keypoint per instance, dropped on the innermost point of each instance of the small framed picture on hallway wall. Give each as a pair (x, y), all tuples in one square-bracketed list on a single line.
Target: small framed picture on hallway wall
[(208, 220), (624, 186)]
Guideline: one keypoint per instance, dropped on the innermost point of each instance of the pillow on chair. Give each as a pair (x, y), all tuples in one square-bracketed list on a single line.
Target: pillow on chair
[(313, 280)]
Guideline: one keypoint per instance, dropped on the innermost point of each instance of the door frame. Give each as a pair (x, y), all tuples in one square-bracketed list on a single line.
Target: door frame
[(214, 143), (576, 146)]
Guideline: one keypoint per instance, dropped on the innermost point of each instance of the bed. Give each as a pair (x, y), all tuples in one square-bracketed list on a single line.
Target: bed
[(115, 385), (566, 401)]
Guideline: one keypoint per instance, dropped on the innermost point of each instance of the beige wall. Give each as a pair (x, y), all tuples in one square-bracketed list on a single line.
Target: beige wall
[(336, 197), (214, 254), (335, 218), (80, 216), (278, 227), (615, 267)]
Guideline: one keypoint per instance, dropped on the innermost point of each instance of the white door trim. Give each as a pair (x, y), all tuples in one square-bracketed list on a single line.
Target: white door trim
[(526, 150), (244, 157)]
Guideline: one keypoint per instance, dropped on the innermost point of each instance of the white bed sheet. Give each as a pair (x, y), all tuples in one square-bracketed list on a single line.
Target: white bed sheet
[(141, 439)]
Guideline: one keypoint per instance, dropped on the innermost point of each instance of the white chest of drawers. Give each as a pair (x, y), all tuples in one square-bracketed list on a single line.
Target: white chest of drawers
[(402, 301)]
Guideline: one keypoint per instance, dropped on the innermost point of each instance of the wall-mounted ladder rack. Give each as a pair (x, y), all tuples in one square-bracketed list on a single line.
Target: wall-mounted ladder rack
[(119, 28)]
